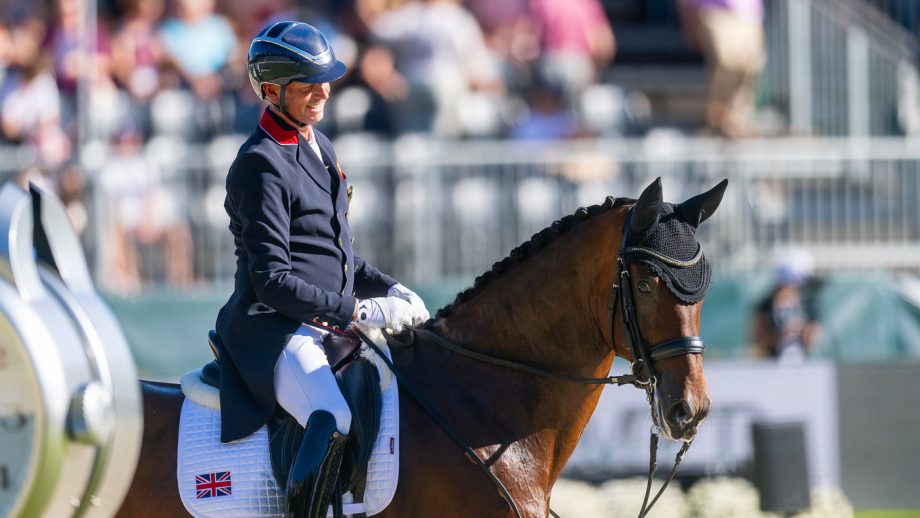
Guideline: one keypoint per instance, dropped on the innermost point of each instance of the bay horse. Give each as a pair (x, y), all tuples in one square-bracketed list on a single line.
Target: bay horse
[(547, 305)]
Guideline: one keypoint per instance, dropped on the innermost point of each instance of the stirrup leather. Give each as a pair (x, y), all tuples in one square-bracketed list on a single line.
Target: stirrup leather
[(313, 475)]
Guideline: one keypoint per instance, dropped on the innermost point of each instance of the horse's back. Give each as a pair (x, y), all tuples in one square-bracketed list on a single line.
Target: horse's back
[(154, 491)]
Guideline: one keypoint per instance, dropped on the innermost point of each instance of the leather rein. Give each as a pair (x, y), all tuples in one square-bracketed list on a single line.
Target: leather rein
[(643, 371)]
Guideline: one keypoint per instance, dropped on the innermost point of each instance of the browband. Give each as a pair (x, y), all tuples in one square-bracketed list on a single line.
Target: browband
[(677, 263)]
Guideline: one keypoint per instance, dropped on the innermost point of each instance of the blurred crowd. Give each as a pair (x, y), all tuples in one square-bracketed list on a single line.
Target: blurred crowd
[(142, 69), (178, 66), (453, 68)]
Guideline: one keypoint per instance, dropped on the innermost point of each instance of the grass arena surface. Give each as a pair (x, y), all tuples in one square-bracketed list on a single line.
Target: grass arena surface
[(891, 513)]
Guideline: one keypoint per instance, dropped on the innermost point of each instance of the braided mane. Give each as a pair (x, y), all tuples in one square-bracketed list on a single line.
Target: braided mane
[(537, 242)]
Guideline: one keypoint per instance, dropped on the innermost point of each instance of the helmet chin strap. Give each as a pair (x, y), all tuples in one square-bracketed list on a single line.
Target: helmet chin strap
[(284, 111)]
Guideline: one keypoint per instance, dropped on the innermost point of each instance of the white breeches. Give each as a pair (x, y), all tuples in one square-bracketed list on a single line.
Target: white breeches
[(304, 381)]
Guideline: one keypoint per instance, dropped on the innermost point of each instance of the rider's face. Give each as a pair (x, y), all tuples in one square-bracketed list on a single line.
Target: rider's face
[(305, 101)]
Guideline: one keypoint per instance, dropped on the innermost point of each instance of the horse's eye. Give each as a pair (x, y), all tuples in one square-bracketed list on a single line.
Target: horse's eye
[(644, 286)]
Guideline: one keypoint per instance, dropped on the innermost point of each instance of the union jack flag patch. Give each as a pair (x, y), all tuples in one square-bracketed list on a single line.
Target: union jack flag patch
[(213, 484)]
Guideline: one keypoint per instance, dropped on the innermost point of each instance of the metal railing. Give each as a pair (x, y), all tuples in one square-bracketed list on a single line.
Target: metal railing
[(851, 203), (839, 67), (428, 210)]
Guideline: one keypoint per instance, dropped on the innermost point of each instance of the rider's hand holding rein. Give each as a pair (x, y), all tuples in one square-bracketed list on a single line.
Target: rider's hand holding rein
[(401, 308), (419, 312), (385, 312)]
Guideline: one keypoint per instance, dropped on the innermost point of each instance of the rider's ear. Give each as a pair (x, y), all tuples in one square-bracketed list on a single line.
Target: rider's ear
[(647, 209), (271, 92), (698, 208)]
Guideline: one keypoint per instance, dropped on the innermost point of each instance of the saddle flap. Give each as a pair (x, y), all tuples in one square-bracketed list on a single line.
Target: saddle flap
[(359, 382), (341, 349)]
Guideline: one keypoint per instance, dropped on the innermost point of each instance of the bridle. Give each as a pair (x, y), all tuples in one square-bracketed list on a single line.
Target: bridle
[(643, 373), (645, 356)]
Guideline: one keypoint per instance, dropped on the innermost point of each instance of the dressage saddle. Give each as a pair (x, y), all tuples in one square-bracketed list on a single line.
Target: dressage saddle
[(359, 382)]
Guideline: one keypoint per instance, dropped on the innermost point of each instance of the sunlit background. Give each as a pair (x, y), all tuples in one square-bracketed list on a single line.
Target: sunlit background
[(466, 126)]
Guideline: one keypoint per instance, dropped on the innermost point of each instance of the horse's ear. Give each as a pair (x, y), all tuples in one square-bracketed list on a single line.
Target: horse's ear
[(698, 208), (647, 209)]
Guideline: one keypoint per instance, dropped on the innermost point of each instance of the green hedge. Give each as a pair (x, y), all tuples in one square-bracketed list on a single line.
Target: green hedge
[(867, 317)]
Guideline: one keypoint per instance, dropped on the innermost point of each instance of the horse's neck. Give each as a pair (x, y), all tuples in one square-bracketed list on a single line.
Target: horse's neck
[(541, 313), (549, 310)]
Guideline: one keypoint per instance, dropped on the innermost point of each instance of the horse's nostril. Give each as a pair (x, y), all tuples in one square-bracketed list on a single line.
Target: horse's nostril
[(679, 415)]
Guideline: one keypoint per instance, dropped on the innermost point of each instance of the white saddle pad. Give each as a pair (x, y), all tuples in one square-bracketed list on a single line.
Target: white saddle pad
[(235, 479)]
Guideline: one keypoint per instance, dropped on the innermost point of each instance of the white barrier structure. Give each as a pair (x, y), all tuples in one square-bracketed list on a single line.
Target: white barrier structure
[(428, 209)]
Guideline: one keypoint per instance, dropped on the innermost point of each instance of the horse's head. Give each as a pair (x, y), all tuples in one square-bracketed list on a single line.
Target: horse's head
[(663, 278)]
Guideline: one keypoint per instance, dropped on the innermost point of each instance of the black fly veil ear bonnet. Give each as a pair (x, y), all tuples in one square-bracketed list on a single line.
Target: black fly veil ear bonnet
[(663, 236), (670, 249)]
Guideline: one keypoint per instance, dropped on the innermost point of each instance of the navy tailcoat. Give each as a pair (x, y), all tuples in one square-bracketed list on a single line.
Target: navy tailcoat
[(294, 264)]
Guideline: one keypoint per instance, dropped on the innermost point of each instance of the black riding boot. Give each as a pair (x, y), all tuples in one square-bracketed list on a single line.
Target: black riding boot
[(316, 467)]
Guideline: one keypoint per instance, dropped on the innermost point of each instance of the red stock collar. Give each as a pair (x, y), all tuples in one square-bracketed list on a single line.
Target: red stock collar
[(277, 129)]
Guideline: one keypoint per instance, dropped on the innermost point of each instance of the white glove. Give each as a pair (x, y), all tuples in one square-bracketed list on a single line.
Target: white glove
[(384, 312), (420, 313)]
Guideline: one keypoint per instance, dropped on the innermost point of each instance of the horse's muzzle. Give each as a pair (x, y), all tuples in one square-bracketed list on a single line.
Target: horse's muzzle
[(682, 419)]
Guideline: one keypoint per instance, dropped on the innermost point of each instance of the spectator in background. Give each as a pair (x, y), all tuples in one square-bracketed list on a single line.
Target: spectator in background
[(30, 103), (198, 43), (142, 213), (249, 16), (63, 44), (497, 17), (109, 106), (512, 33), (136, 52), (729, 33), (363, 14), (576, 40), (26, 78), (432, 55), (784, 325), (548, 116)]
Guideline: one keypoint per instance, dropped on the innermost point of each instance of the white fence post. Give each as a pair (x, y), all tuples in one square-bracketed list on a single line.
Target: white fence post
[(858, 100), (800, 69)]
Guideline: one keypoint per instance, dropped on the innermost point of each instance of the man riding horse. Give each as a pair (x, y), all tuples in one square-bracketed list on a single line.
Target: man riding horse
[(298, 278)]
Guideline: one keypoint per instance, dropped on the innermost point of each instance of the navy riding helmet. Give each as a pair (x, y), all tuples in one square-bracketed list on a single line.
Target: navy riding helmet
[(291, 51)]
